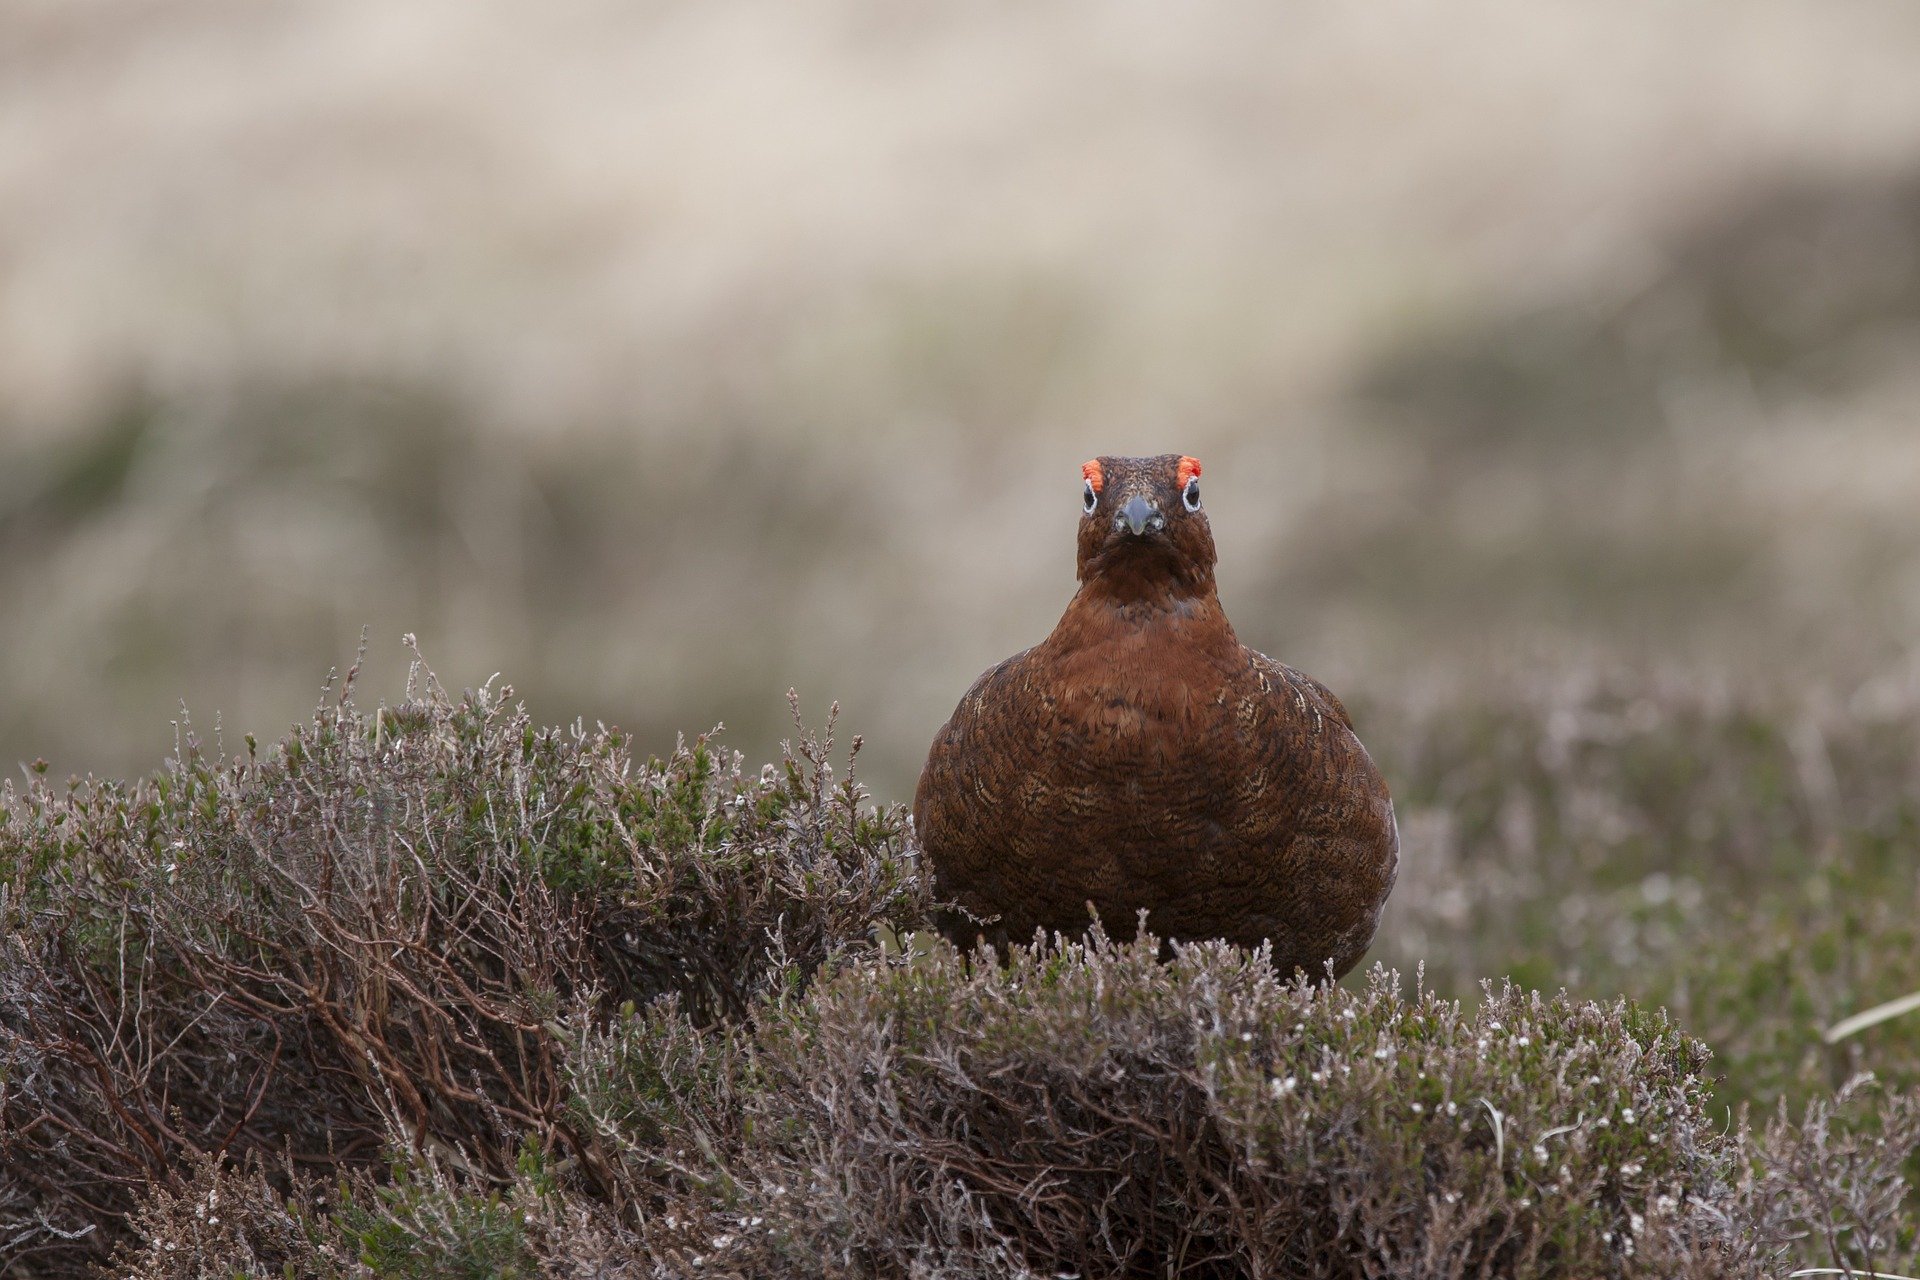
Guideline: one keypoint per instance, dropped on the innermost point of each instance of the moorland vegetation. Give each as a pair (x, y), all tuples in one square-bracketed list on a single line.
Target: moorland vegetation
[(430, 990)]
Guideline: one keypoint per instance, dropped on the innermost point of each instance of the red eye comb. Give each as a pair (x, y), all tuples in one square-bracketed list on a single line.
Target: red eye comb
[(1091, 470), (1189, 470)]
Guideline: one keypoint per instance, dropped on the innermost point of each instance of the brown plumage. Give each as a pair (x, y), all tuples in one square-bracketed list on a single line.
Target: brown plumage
[(1142, 758)]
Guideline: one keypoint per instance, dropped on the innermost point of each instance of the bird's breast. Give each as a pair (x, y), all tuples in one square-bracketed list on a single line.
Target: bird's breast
[(1121, 729)]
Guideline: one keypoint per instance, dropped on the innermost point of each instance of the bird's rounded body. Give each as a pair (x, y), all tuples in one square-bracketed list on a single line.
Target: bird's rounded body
[(1141, 759)]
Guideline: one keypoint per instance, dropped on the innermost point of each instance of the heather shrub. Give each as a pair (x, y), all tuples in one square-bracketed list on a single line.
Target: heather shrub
[(376, 929), (1088, 1110), (422, 1225), (1744, 861), (430, 990), (1840, 1181), (214, 1219)]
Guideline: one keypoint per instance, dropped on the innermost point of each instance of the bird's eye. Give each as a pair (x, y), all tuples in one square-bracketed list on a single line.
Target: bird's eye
[(1090, 499), (1190, 496)]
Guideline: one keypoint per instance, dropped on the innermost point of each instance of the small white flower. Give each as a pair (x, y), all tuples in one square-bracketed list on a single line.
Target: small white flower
[(1523, 1041), (1602, 1123), (1246, 1037), (1453, 1108), (1279, 1086), (1383, 1052), (1626, 1116), (1418, 1109)]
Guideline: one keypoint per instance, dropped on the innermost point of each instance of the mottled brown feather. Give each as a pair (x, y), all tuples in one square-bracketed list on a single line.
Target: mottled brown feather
[(1142, 758)]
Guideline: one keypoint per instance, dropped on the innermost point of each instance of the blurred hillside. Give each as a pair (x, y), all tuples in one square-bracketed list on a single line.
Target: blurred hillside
[(664, 356)]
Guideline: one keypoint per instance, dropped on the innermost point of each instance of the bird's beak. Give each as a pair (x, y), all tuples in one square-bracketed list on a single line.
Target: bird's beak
[(1139, 515)]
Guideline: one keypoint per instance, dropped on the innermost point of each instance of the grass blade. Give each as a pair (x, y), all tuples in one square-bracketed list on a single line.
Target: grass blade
[(1872, 1017)]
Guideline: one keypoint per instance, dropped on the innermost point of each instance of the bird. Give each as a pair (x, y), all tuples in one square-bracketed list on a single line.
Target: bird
[(1142, 763)]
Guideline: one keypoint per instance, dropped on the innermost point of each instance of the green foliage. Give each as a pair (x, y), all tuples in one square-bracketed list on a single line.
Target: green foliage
[(423, 1227)]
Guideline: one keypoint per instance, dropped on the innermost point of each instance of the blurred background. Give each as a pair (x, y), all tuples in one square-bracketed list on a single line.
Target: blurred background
[(664, 355)]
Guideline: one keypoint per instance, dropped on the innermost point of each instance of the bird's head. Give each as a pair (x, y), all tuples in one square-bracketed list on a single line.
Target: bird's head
[(1142, 528)]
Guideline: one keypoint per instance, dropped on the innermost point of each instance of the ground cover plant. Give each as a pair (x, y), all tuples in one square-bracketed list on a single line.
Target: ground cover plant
[(430, 990)]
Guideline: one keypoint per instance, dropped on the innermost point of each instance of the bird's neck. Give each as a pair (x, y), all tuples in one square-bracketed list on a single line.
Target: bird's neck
[(1109, 602)]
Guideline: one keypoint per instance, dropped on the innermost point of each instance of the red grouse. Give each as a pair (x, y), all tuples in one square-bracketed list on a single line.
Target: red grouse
[(1142, 758)]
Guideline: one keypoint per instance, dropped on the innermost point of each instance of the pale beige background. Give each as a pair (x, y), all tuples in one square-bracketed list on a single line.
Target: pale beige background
[(662, 355)]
